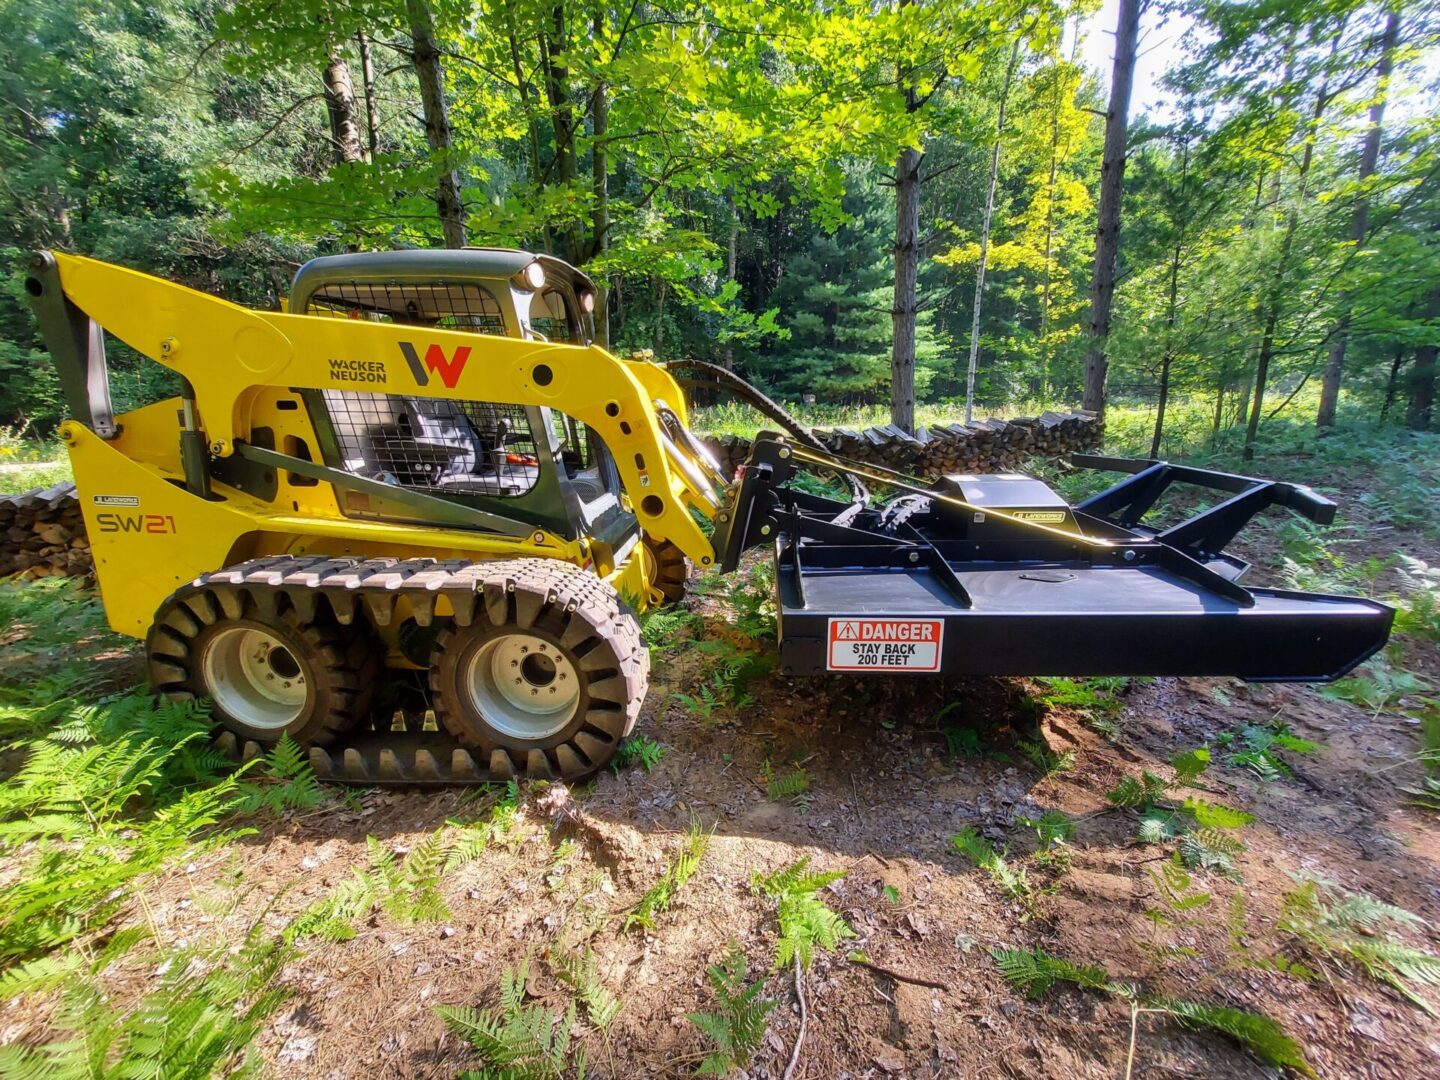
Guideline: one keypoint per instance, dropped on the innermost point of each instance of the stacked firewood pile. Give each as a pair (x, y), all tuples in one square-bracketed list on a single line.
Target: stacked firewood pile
[(981, 446), (42, 534)]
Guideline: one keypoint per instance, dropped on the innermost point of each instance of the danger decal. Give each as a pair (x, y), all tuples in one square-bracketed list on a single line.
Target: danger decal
[(885, 644)]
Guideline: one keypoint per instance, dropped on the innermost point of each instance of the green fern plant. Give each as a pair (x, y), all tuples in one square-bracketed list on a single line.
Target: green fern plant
[(1258, 746), (578, 971), (1039, 754), (793, 787), (1013, 881), (1052, 828), (407, 891), (291, 782), (1033, 972), (516, 1041), (658, 897), (638, 750), (738, 1026), (805, 920), (89, 817), (1196, 823), (207, 1008), (1345, 929)]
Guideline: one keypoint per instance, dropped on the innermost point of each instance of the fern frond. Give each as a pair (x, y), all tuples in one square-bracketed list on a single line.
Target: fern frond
[(1035, 971), (1259, 1034)]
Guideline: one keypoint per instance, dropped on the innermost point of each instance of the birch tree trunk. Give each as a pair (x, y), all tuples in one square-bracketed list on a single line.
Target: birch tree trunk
[(340, 105), (985, 238), (367, 82)]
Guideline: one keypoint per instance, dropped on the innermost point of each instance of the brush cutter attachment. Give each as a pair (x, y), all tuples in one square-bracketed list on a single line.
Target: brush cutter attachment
[(998, 575)]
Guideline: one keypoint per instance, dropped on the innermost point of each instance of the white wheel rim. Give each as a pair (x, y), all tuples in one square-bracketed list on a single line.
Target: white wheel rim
[(254, 678), (522, 686)]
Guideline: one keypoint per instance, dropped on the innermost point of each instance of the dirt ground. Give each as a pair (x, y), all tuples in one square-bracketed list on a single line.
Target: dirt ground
[(884, 800)]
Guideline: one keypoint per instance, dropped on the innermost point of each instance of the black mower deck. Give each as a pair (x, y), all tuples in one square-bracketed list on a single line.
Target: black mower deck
[(996, 575), (1066, 619)]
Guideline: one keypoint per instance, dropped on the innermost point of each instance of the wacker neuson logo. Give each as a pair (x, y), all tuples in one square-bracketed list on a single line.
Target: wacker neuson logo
[(436, 362)]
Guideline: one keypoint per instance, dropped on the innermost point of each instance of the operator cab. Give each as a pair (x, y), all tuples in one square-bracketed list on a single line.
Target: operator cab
[(528, 463)]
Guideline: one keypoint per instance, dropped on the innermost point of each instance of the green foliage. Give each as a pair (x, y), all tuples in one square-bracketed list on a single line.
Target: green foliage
[(1014, 882), (1213, 850), (662, 626), (1097, 700), (638, 750), (1376, 687), (658, 897), (1353, 929), (578, 971), (793, 787), (1259, 1034), (407, 891), (1039, 754), (108, 799), (201, 1019), (739, 1025), (292, 785), (516, 1041), (805, 920), (1052, 828), (1259, 746), (1140, 793), (1195, 822), (732, 669), (1035, 971)]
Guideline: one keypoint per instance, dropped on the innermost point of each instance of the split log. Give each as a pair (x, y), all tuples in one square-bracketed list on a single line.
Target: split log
[(979, 446), (42, 534)]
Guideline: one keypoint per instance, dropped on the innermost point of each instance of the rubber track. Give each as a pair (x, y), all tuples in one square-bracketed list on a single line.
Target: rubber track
[(343, 585)]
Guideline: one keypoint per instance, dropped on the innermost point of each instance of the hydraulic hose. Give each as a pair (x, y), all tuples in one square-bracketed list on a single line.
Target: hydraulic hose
[(723, 379)]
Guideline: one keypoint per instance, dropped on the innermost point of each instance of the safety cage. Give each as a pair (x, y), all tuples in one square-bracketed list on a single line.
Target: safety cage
[(529, 463)]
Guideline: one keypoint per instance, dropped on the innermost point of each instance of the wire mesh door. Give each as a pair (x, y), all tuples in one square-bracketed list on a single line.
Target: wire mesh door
[(428, 444)]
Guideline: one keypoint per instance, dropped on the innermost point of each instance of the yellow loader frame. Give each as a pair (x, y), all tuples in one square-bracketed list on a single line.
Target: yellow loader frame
[(243, 368)]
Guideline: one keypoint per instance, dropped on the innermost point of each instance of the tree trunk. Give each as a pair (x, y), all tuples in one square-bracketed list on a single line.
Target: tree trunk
[(907, 269), (367, 80), (732, 259), (1369, 159), (1423, 375), (1282, 266), (1392, 384), (1171, 310), (340, 104), (553, 46), (600, 187), (1112, 184), (985, 238), (431, 77)]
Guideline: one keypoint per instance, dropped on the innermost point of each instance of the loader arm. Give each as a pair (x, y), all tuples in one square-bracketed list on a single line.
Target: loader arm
[(227, 354)]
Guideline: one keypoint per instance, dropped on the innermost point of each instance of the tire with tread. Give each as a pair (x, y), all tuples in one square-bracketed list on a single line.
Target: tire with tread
[(342, 664), (581, 617), (672, 569)]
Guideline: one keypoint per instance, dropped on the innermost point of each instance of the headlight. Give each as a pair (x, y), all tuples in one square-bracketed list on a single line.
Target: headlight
[(587, 301), (535, 276)]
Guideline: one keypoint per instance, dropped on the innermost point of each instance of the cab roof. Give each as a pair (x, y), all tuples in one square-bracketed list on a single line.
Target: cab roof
[(421, 265)]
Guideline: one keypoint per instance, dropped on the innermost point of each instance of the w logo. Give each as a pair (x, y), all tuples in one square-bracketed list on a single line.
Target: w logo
[(449, 369)]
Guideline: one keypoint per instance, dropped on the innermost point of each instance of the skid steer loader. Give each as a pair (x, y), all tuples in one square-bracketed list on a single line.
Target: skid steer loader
[(423, 483)]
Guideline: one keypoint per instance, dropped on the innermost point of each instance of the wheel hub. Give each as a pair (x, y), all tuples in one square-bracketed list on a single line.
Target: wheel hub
[(523, 686), (254, 678)]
